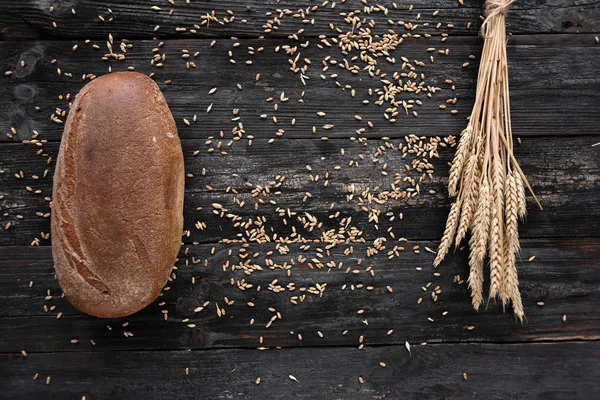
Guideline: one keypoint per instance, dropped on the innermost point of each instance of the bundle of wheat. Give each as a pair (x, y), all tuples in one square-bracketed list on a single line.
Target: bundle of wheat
[(485, 177)]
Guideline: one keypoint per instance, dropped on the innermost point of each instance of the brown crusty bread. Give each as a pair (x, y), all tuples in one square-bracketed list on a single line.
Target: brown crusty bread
[(117, 208)]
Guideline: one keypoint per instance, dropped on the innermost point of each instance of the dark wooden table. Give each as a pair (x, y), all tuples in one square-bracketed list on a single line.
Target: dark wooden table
[(321, 347)]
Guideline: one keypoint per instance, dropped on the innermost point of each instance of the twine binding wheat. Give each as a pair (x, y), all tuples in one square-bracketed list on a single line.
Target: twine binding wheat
[(485, 178)]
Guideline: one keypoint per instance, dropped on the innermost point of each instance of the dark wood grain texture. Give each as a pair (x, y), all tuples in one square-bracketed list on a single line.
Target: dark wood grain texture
[(565, 275), (557, 371), (553, 66), (32, 19), (566, 179), (542, 70)]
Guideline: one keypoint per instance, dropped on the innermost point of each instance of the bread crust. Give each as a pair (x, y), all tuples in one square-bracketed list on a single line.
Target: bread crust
[(117, 206)]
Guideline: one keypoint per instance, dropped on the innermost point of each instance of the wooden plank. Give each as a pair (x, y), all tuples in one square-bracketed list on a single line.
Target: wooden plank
[(541, 68), (32, 19), (564, 275), (565, 370), (565, 177)]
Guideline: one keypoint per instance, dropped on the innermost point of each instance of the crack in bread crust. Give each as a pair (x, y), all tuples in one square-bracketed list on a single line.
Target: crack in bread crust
[(142, 253)]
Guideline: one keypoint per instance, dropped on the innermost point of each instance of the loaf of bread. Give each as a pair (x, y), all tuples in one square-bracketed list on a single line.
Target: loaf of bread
[(117, 207)]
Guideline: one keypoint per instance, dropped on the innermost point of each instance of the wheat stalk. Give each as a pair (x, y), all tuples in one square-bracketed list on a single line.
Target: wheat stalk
[(486, 178)]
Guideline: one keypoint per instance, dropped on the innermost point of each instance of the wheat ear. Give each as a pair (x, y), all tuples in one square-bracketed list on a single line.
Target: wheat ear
[(449, 232), (476, 281), (511, 207), (459, 160), (511, 239), (496, 229), (506, 289), (517, 303), (510, 285), (521, 203), (470, 198), (478, 243)]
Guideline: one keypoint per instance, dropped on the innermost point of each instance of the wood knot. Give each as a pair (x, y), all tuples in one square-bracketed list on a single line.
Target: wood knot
[(24, 93), (27, 62), (20, 120)]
